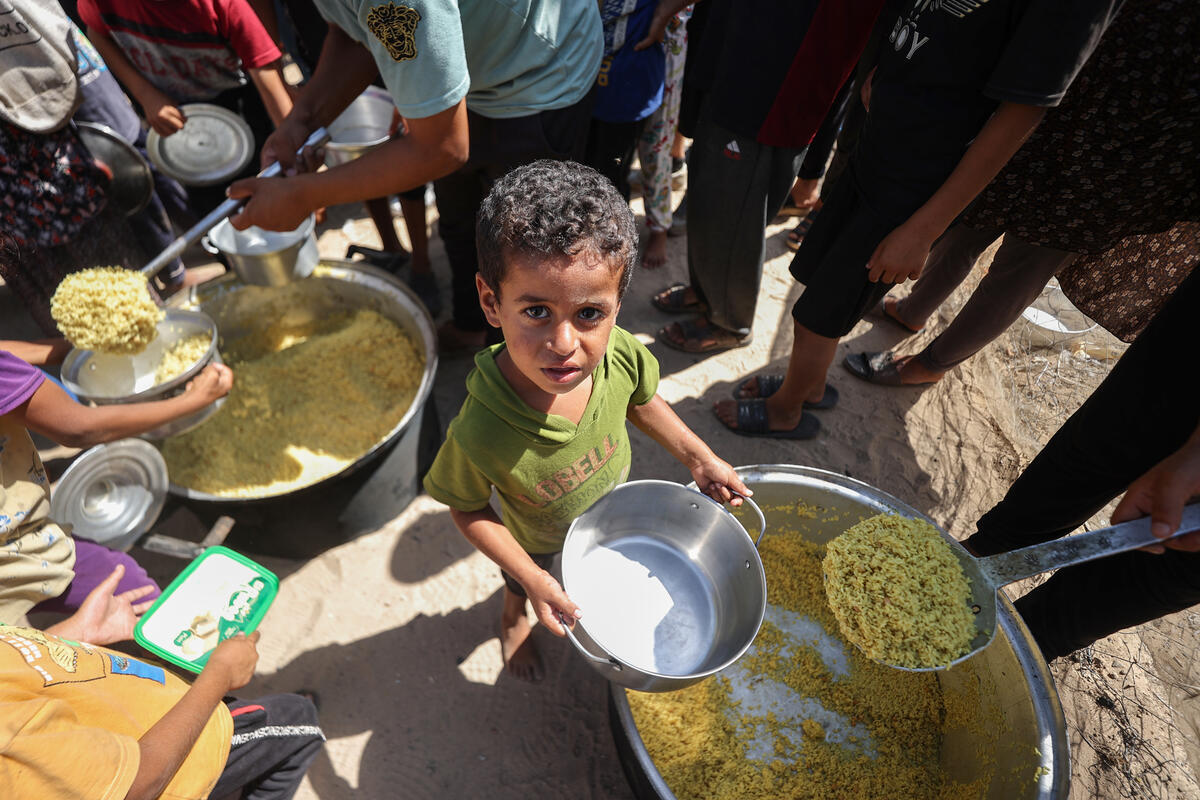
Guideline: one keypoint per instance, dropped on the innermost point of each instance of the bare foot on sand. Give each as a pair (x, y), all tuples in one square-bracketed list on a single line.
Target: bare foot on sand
[(521, 655), (655, 254)]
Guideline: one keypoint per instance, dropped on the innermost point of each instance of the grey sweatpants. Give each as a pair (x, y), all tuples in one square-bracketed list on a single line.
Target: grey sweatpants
[(1017, 275), (735, 187)]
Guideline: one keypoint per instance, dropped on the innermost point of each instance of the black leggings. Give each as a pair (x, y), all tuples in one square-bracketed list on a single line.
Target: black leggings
[(1143, 411)]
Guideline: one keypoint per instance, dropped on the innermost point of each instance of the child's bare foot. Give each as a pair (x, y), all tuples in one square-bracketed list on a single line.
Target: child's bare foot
[(521, 655), (655, 254)]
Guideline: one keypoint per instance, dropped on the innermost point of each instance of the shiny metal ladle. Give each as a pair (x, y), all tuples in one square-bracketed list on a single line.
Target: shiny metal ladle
[(987, 575)]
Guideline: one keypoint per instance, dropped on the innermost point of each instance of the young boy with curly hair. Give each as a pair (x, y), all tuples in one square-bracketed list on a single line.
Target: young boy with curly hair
[(544, 420)]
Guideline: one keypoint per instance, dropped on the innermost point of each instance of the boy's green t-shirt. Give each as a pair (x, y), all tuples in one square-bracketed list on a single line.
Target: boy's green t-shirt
[(546, 470)]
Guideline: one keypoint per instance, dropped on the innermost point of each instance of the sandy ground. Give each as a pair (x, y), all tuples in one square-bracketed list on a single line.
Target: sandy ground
[(396, 630)]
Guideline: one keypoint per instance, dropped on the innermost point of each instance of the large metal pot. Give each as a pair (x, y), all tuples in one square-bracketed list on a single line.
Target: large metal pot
[(1014, 682), (103, 379), (670, 582), (349, 286)]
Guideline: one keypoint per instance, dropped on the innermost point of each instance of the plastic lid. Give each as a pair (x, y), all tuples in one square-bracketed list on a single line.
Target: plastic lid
[(213, 147), (112, 493), (219, 595)]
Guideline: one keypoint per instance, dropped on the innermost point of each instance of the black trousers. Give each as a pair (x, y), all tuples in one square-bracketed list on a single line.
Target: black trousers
[(275, 738), (497, 146), (1144, 410)]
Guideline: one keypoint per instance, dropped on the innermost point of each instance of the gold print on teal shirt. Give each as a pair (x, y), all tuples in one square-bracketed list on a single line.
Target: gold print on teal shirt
[(574, 475), (396, 27)]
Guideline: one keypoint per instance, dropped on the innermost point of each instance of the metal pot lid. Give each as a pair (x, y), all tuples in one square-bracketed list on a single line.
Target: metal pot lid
[(214, 145), (131, 184), (112, 493)]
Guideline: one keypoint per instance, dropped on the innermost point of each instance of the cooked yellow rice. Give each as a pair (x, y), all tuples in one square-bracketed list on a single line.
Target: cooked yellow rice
[(899, 592), (308, 399), (181, 356), (698, 737), (106, 309)]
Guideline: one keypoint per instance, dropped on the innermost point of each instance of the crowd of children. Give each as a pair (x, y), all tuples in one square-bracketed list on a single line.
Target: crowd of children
[(527, 118)]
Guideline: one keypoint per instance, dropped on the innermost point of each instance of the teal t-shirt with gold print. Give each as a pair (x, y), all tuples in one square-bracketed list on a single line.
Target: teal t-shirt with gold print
[(508, 58), (545, 469)]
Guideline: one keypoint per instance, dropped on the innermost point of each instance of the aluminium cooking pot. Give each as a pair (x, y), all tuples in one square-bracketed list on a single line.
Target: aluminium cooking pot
[(670, 583)]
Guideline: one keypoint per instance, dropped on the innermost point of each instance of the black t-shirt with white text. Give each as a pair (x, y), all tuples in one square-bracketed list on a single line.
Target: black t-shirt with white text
[(944, 68)]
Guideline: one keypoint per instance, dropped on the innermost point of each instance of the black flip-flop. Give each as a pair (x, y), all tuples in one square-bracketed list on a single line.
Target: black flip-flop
[(674, 302), (752, 421), (692, 332), (769, 383), (877, 368)]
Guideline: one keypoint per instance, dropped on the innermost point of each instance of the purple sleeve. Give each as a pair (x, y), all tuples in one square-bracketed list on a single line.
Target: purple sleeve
[(18, 381)]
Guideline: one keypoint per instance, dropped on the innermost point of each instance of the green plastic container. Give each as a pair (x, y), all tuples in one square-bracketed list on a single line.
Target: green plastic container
[(220, 594)]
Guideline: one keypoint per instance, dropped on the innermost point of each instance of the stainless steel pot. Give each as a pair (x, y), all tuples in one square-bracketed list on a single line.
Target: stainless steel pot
[(348, 286), (132, 184), (1011, 678), (267, 258), (670, 583), (362, 127), (103, 379)]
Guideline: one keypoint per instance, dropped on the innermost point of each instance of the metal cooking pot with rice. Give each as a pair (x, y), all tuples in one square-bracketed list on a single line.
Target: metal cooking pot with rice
[(1023, 730), (342, 287)]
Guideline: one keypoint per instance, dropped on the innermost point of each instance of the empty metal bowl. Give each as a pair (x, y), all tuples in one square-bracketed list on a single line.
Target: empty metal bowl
[(363, 126)]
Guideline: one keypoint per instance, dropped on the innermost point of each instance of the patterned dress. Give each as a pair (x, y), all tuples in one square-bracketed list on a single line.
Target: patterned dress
[(654, 145), (1119, 158)]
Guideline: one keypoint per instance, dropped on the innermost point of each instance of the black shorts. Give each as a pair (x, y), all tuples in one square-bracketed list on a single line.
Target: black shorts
[(832, 262), (543, 560)]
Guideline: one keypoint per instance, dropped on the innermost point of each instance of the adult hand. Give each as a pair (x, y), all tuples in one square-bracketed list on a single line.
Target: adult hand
[(213, 383), (234, 659), (716, 478), (283, 144), (104, 617), (161, 113), (549, 600), (1162, 493), (900, 256), (663, 12), (271, 203)]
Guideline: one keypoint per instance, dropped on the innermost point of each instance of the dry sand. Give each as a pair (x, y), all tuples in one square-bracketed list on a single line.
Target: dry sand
[(396, 630)]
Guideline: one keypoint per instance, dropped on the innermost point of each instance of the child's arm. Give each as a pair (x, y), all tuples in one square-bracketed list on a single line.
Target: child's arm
[(485, 530), (164, 747), (161, 112), (273, 91), (104, 617), (52, 413), (714, 477), (39, 352), (902, 253)]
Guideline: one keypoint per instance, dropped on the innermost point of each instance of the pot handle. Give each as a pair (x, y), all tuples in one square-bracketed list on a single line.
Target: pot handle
[(762, 521), (610, 661)]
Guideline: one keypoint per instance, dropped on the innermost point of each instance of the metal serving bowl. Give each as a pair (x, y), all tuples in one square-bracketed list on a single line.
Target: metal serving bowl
[(363, 126), (104, 379), (1013, 682), (349, 286), (267, 258)]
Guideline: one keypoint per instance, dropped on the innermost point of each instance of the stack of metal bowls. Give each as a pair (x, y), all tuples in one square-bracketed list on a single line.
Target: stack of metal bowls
[(104, 379)]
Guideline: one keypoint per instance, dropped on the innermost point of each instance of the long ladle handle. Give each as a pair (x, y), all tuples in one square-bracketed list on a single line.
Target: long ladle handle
[(1017, 564), (317, 138)]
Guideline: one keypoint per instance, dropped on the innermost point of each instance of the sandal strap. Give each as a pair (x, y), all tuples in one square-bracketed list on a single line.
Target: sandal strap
[(752, 415)]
